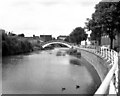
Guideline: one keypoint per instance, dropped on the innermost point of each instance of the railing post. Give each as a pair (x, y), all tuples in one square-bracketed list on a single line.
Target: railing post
[(95, 49), (100, 51), (108, 55), (112, 57), (116, 71), (105, 53)]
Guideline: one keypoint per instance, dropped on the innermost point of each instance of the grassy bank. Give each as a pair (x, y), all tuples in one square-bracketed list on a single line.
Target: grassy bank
[(11, 45)]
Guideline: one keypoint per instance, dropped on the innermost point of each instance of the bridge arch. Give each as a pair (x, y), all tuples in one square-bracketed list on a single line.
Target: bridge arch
[(56, 42)]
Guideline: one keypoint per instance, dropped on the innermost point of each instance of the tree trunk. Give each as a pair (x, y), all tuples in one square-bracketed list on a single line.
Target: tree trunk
[(118, 39), (111, 43), (79, 42), (99, 41)]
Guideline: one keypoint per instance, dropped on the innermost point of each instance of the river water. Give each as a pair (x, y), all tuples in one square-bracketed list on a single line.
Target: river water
[(43, 72)]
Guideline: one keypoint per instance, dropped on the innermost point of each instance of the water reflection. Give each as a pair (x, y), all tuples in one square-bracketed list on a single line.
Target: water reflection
[(45, 73)]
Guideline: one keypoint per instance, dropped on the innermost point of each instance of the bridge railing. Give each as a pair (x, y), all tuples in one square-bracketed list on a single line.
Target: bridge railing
[(110, 82), (55, 41), (44, 44)]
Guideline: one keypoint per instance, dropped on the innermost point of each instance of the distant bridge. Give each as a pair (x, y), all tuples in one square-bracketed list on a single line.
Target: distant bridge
[(45, 44)]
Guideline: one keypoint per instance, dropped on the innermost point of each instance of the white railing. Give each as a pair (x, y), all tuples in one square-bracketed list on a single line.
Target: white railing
[(110, 82)]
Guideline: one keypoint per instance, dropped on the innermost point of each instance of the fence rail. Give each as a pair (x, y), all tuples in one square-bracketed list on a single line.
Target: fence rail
[(111, 80)]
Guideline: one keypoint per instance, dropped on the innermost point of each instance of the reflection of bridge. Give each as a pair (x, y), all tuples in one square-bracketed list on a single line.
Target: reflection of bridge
[(45, 44)]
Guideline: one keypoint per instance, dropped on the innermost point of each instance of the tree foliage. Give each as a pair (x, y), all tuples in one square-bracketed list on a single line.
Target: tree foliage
[(77, 35), (67, 39), (11, 45), (94, 26), (105, 20)]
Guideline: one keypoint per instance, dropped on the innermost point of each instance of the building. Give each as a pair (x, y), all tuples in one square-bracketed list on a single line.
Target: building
[(2, 31), (61, 37), (46, 37), (105, 40), (36, 37)]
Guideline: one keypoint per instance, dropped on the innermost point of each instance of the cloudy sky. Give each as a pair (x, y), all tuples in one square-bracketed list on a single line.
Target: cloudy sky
[(55, 17)]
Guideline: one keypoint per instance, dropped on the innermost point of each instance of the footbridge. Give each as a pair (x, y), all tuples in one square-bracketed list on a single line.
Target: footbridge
[(109, 83), (45, 44)]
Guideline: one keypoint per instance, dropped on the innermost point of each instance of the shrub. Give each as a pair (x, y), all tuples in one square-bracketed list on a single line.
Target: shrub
[(11, 45)]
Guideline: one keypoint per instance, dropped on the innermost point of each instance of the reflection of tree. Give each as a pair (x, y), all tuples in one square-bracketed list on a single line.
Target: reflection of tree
[(9, 63), (12, 60)]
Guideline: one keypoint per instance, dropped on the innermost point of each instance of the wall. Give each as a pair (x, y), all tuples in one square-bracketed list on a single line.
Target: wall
[(99, 64), (105, 40)]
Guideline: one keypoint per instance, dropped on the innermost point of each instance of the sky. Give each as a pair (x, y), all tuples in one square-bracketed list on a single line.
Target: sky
[(44, 17)]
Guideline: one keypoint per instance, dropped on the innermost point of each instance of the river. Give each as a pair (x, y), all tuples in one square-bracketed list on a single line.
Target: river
[(42, 72)]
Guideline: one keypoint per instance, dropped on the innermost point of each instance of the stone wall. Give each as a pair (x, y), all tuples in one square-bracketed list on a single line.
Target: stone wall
[(105, 40), (99, 64)]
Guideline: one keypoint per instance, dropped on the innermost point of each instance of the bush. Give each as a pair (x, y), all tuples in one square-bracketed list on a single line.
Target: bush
[(11, 45), (74, 52)]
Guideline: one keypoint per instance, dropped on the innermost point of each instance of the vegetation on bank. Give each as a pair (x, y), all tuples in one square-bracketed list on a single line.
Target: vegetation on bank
[(77, 35), (74, 52), (11, 45)]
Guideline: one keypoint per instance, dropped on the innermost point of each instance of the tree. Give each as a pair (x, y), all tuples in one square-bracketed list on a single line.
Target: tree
[(104, 20), (33, 36), (108, 21), (67, 39), (94, 26), (11, 34), (116, 14), (85, 36), (53, 38), (77, 35)]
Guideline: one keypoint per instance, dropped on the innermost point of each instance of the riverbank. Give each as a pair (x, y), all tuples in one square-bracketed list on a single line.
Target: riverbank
[(74, 52), (12, 45), (99, 64), (93, 73)]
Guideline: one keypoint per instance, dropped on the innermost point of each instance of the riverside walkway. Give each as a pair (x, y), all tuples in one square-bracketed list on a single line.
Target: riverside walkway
[(110, 57)]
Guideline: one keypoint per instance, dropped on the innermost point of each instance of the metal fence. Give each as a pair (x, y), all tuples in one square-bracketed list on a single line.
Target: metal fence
[(110, 82)]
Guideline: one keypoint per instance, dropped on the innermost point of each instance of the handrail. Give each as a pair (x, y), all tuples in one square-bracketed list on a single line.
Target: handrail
[(111, 79), (104, 86)]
